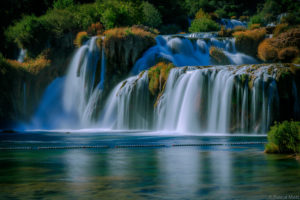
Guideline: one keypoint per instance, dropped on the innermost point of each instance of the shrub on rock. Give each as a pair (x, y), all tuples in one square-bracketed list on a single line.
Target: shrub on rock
[(280, 28), (287, 54), (95, 29), (218, 57), (286, 45), (266, 51), (284, 138), (248, 41), (254, 26), (204, 25), (158, 76)]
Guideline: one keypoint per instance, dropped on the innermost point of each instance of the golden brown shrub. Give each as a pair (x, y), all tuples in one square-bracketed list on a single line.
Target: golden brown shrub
[(81, 37), (248, 41), (33, 66), (95, 29), (288, 38), (266, 51), (254, 26), (287, 54), (239, 28), (280, 28)]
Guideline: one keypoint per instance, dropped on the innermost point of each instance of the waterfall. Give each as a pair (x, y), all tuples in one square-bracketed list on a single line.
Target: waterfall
[(218, 99), (71, 101), (232, 23), (197, 97), (21, 55), (129, 106), (190, 50)]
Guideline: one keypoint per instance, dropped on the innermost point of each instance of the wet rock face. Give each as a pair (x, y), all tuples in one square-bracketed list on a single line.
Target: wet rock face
[(123, 47), (21, 88)]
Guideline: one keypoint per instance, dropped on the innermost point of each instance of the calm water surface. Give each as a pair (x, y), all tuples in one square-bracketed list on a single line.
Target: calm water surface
[(230, 170)]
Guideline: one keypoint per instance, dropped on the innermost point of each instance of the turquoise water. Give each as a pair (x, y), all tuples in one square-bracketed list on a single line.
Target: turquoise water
[(216, 167)]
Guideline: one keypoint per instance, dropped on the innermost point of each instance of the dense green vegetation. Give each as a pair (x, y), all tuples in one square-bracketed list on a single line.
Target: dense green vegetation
[(35, 25), (284, 138)]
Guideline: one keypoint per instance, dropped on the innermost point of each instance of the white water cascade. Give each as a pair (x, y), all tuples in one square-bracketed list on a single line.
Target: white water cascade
[(21, 55), (129, 106), (199, 98), (190, 50), (70, 102), (232, 23), (218, 99)]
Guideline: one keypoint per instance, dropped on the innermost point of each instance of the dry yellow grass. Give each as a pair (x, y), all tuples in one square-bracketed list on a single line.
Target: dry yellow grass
[(33, 66), (126, 31)]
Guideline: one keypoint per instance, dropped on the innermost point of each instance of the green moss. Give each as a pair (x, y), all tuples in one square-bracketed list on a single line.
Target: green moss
[(284, 138), (158, 76)]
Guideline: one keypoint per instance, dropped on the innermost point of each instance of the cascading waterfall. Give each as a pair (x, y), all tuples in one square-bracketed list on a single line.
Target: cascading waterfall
[(21, 55), (129, 106), (70, 102), (232, 23), (190, 50), (217, 99)]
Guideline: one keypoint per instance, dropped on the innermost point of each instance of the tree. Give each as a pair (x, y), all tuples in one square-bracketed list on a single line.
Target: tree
[(151, 16)]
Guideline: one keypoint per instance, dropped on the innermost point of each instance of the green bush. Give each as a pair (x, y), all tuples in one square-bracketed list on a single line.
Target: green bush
[(284, 138), (204, 25), (36, 33), (59, 22), (85, 15), (119, 13), (151, 16), (62, 4), (256, 19), (30, 33)]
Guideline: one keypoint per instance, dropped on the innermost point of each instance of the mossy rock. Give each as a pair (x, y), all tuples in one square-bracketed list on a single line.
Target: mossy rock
[(218, 57), (158, 76)]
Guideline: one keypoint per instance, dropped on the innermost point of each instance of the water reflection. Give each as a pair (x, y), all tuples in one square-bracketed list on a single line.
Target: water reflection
[(148, 173), (179, 171)]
